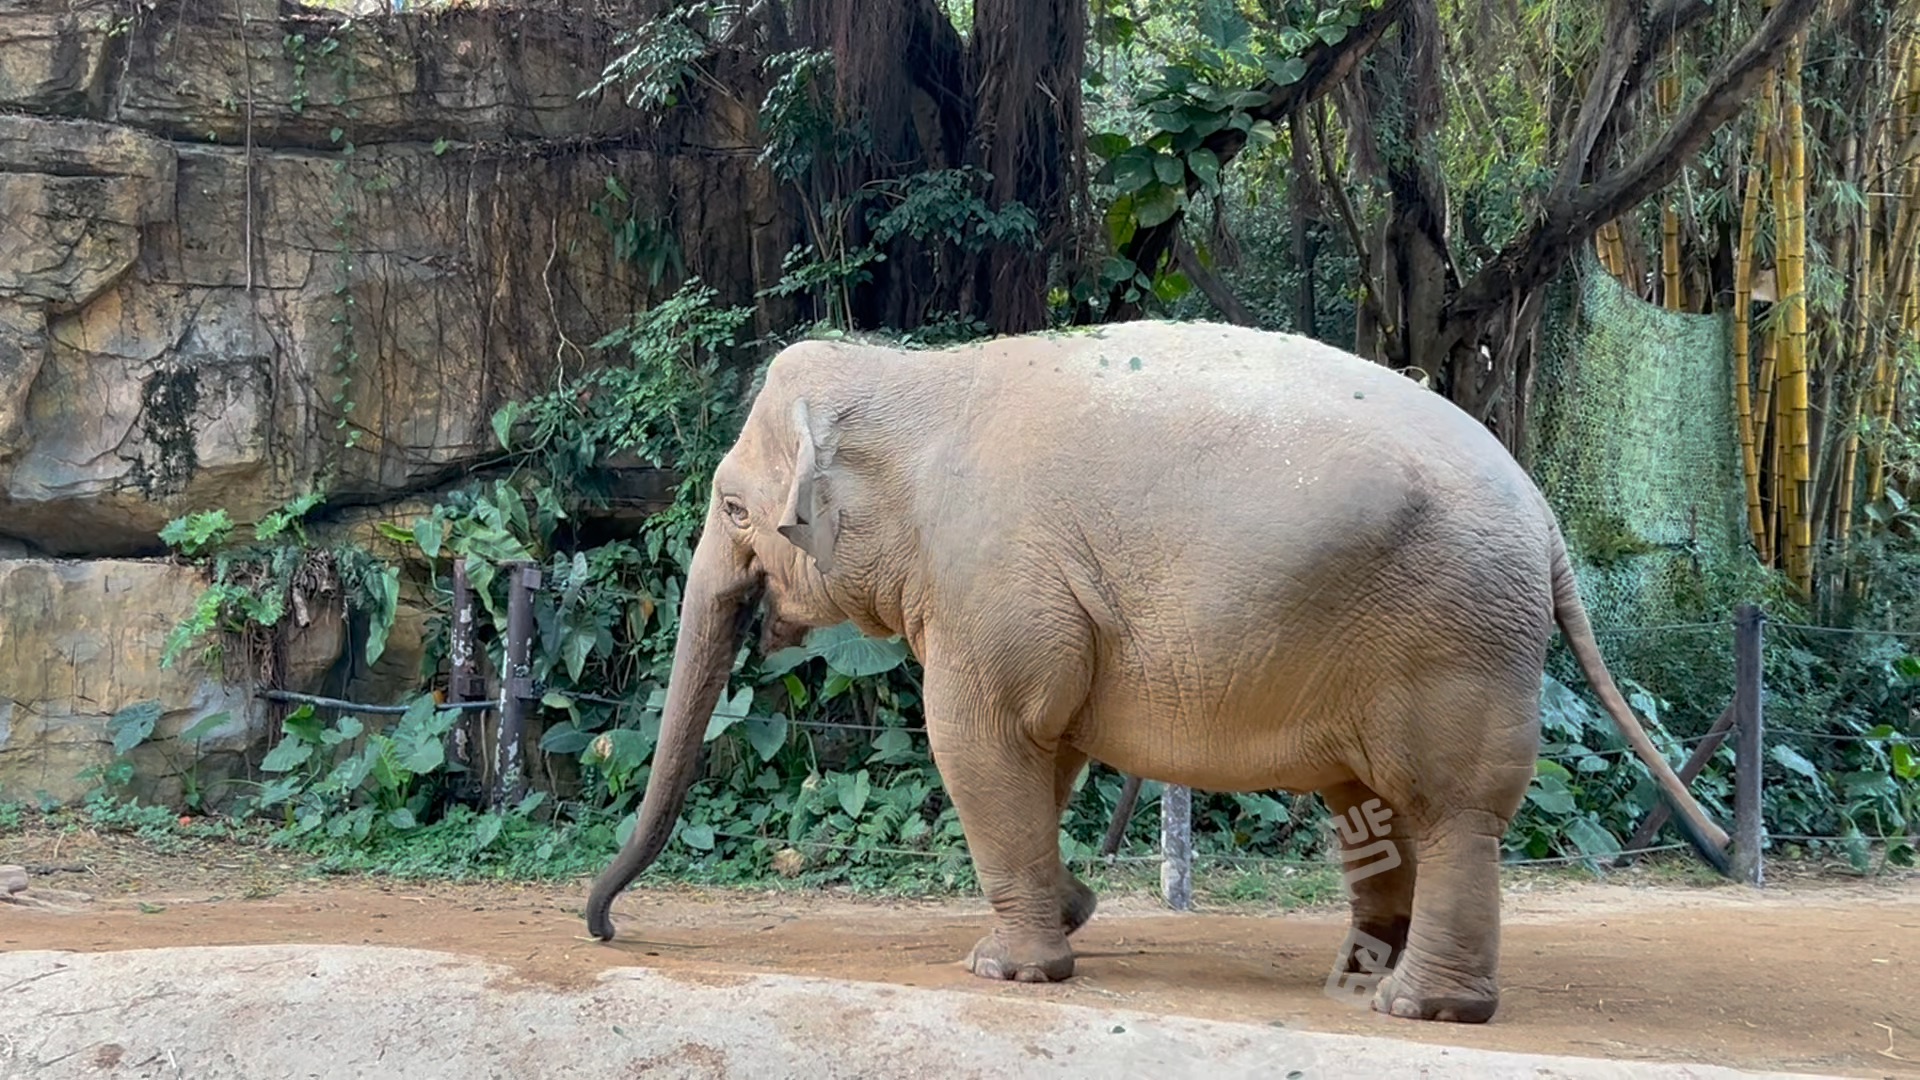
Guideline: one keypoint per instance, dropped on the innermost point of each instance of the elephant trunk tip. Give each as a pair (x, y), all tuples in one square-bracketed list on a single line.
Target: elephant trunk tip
[(600, 916)]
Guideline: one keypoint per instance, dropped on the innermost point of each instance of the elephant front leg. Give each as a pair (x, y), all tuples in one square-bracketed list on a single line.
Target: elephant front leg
[(1003, 789), (1378, 860)]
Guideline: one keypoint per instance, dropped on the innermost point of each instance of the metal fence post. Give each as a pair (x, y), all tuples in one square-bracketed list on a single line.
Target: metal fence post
[(516, 684), (1176, 847), (1749, 724), (461, 685)]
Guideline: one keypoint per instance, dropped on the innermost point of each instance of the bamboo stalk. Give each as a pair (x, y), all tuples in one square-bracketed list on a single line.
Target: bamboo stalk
[(1672, 292), (1850, 452), (1769, 437), (1793, 358), (1900, 275), (1742, 335)]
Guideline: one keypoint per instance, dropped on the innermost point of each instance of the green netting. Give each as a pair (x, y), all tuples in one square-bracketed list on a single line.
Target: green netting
[(1634, 441)]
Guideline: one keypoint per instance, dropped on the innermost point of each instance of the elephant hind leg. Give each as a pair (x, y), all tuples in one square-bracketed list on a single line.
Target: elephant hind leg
[(1467, 789), (1449, 970), (1077, 901), (1378, 857)]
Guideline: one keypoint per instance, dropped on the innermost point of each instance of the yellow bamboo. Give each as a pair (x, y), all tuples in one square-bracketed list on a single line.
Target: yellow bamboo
[(1612, 247), (1850, 455), (1899, 275), (1793, 353), (1768, 436), (1742, 331), (1672, 292)]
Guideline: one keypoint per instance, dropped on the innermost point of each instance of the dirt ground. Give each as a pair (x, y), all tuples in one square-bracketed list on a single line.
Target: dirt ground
[(1814, 973)]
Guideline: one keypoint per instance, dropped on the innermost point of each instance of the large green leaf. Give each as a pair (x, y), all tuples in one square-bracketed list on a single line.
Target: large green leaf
[(854, 793), (1205, 165), (1551, 794), (1133, 170), (891, 747), (1285, 71), (486, 830), (1157, 204), (131, 725), (206, 726), (728, 712), (1792, 760), (386, 605), (855, 655), (578, 647), (1222, 24), (1906, 764), (1591, 839), (565, 738), (766, 735), (428, 532), (424, 756), (288, 755)]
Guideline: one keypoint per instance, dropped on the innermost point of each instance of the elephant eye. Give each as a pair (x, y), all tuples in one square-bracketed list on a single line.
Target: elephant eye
[(735, 511)]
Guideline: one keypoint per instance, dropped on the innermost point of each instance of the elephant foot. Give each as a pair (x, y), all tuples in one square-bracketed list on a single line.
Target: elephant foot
[(1077, 904), (995, 957), (1373, 945), (1406, 994)]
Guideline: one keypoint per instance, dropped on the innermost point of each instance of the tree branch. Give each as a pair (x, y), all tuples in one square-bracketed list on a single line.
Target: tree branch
[(1327, 66), (1632, 46), (1572, 218), (1211, 285), (1369, 292)]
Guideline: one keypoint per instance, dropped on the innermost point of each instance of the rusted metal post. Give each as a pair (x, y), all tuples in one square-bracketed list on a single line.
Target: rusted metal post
[(1122, 814), (1176, 847), (516, 685), (1656, 817), (460, 677), (1749, 723)]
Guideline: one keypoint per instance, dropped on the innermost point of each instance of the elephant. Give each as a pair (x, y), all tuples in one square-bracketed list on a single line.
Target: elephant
[(1226, 558)]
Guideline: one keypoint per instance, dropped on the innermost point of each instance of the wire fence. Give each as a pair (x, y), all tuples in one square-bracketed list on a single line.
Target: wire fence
[(1171, 795)]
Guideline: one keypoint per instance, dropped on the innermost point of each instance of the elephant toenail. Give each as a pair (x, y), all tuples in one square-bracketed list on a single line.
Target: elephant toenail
[(1405, 1008)]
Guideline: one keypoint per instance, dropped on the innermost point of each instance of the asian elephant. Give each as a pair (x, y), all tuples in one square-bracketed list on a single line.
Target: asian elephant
[(1218, 557)]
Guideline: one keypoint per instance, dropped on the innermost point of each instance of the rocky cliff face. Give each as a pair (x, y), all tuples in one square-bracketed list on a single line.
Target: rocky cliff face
[(251, 250)]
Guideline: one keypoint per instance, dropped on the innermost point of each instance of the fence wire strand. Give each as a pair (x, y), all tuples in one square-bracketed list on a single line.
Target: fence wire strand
[(959, 851)]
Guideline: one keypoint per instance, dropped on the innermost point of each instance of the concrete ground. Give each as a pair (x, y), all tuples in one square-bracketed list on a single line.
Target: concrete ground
[(258, 1011)]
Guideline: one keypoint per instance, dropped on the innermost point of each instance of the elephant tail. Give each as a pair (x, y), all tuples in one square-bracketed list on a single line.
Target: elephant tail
[(1706, 837)]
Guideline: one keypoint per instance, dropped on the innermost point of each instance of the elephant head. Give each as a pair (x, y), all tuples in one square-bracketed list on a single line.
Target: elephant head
[(769, 541)]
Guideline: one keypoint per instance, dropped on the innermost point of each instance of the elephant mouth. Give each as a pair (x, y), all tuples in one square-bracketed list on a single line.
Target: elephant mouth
[(777, 631)]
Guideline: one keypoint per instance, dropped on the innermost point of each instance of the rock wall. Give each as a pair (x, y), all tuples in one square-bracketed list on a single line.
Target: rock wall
[(252, 249), (82, 640)]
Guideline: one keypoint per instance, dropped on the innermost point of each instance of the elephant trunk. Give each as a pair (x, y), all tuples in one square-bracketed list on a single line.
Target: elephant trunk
[(712, 611)]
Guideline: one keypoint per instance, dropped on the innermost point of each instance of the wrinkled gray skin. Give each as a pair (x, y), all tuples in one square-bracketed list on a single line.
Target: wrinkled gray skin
[(1211, 556)]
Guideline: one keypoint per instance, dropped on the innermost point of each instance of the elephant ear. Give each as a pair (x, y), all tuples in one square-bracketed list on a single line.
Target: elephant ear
[(810, 520)]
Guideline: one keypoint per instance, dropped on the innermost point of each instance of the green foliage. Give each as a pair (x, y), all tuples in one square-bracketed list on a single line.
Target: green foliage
[(664, 56), (197, 532), (1159, 159), (649, 243), (1589, 790), (353, 781)]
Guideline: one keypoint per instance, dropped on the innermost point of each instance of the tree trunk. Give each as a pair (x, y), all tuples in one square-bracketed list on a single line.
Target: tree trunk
[(1026, 61)]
